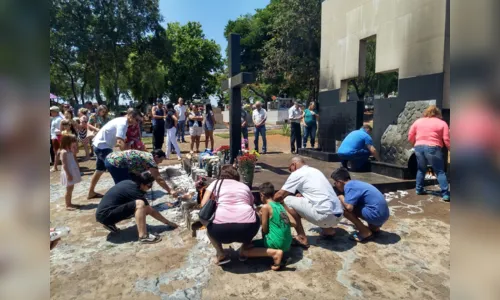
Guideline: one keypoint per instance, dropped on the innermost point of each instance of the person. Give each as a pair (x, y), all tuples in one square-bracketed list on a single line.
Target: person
[(276, 231), (133, 139), (70, 173), (356, 148), (68, 115), (259, 117), (295, 115), (96, 121), (121, 164), (244, 124), (126, 199), (83, 135), (361, 200), (171, 130), (158, 123), (180, 108), (195, 129), (235, 218), (310, 124), (428, 136), (55, 133), (111, 134), (209, 126), (316, 202), (90, 107)]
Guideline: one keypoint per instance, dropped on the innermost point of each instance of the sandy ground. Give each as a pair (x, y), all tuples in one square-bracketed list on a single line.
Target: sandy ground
[(409, 260)]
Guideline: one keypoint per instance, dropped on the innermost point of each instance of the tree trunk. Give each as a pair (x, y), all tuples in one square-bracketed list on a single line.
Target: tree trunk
[(73, 87), (97, 85)]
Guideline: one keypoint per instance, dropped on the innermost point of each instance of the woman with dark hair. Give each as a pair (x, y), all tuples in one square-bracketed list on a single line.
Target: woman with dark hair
[(429, 135), (171, 131), (126, 199), (235, 218), (209, 126), (123, 165)]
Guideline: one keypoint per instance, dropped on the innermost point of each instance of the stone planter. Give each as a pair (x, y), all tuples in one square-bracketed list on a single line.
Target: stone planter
[(246, 175)]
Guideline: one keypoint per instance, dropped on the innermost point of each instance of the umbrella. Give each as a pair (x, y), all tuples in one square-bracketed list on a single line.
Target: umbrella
[(52, 96)]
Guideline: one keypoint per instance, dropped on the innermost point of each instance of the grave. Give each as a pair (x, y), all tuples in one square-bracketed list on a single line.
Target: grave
[(422, 65)]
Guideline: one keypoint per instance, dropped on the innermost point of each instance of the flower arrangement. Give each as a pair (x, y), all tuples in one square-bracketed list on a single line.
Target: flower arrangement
[(223, 149), (246, 166), (244, 144)]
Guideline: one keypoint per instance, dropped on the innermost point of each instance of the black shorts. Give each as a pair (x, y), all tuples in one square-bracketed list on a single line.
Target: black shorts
[(117, 214), (234, 232), (100, 157)]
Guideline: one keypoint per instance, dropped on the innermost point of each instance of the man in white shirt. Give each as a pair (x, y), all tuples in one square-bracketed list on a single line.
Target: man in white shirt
[(181, 111), (110, 135), (259, 117), (295, 115), (55, 126), (317, 201)]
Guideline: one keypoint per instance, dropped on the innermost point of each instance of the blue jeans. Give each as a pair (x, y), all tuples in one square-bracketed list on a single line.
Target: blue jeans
[(260, 131), (118, 174), (309, 131), (181, 128), (244, 132), (431, 156), (359, 160)]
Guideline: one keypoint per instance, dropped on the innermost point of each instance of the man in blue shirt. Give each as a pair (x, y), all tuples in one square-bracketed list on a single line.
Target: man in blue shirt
[(356, 148), (361, 200)]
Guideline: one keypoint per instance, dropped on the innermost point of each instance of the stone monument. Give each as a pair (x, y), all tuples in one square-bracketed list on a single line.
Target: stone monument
[(412, 39)]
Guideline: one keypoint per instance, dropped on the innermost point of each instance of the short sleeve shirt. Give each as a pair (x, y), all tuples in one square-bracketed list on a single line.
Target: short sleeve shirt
[(106, 137), (258, 116), (136, 161), (314, 187), (294, 112), (355, 142), (244, 115), (309, 118), (181, 111), (234, 203), (121, 193), (367, 200), (97, 121)]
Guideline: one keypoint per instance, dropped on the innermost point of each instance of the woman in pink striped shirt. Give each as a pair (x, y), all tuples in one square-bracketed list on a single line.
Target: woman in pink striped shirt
[(429, 135)]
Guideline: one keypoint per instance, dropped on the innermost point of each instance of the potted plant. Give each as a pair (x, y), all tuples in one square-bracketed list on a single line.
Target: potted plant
[(246, 167)]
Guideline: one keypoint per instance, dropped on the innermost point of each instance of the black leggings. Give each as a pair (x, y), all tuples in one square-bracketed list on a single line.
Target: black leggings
[(234, 232), (158, 135)]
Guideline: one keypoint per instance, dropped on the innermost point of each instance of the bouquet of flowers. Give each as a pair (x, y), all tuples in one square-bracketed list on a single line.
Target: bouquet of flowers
[(223, 149), (244, 144), (223, 153), (246, 167)]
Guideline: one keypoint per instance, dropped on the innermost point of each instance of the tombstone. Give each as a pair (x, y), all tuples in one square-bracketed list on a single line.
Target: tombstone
[(234, 84), (219, 119), (422, 66)]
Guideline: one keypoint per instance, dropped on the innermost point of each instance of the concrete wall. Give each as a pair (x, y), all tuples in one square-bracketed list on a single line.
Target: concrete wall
[(410, 38)]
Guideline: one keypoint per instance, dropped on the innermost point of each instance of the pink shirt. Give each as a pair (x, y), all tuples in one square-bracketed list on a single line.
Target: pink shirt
[(429, 132), (234, 204)]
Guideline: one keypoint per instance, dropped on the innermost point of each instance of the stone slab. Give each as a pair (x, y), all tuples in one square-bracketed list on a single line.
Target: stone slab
[(320, 155)]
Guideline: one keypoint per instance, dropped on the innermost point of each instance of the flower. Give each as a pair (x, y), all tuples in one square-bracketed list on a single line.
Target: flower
[(224, 148)]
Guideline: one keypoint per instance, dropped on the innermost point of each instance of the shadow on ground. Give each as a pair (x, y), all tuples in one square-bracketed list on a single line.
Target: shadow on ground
[(130, 234), (341, 242), (261, 264)]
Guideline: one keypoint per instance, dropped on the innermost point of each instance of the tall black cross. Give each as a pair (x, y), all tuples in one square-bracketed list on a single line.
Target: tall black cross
[(234, 83)]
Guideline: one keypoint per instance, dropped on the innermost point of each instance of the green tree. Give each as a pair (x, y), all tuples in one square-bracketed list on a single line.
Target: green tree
[(192, 67)]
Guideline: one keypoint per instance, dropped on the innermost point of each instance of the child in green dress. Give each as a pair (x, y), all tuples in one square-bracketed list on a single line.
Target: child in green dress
[(277, 236)]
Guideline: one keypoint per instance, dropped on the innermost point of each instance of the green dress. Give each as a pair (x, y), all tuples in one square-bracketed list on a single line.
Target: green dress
[(280, 235)]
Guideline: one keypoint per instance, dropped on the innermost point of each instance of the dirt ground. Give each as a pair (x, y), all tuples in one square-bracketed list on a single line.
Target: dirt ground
[(409, 260)]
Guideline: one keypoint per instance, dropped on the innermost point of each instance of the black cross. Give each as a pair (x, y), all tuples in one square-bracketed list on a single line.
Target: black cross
[(234, 83)]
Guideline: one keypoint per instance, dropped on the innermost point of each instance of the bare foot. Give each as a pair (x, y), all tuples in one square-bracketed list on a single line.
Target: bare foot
[(94, 195), (277, 260), (53, 170), (301, 241), (71, 207)]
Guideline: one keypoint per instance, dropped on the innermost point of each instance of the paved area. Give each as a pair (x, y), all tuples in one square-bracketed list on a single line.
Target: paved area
[(409, 260)]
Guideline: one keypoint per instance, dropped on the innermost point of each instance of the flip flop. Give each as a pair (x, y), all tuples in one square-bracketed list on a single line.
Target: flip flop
[(224, 261), (295, 242), (355, 236)]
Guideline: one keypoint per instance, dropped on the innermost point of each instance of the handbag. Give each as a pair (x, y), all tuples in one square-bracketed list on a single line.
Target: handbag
[(207, 212)]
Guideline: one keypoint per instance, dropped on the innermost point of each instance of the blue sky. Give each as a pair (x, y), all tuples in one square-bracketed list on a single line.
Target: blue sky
[(212, 14)]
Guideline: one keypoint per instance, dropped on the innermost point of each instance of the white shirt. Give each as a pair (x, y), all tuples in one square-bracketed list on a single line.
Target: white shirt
[(294, 112), (258, 116), (55, 126), (314, 186), (108, 134), (181, 111)]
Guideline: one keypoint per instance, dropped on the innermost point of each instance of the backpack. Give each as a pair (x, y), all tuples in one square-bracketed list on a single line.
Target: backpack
[(169, 121)]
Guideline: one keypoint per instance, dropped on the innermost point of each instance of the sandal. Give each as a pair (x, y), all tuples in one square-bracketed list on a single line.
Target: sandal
[(150, 239), (223, 261), (111, 228), (296, 242), (355, 236), (96, 195)]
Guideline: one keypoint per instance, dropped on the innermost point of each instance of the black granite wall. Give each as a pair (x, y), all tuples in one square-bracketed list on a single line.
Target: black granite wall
[(386, 111), (337, 118)]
